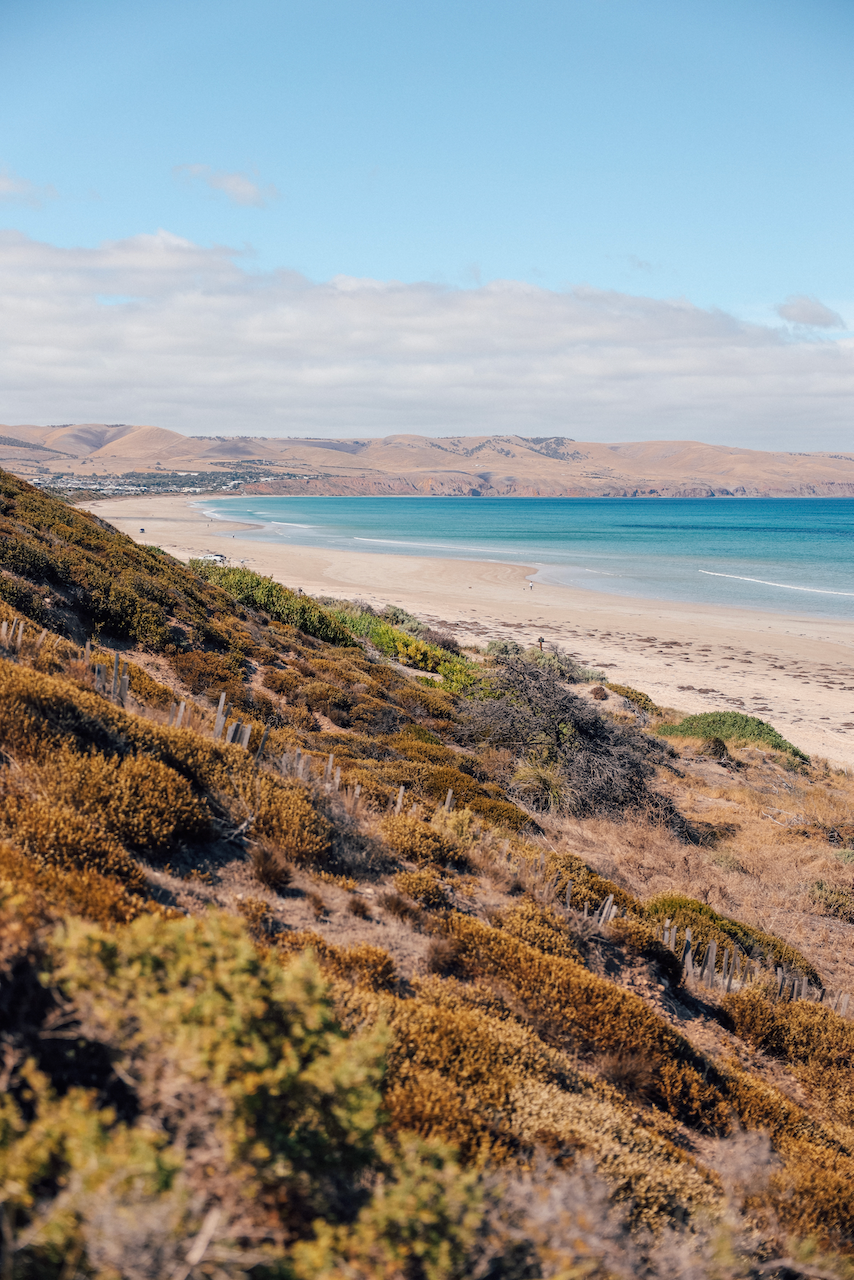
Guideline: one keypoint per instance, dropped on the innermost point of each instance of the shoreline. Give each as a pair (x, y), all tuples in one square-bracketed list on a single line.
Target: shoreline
[(795, 672)]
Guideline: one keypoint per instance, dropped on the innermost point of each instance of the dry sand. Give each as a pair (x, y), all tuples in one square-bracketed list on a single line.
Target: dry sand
[(797, 673)]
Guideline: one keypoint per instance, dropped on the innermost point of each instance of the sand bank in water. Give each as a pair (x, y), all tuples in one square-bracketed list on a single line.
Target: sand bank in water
[(797, 673)]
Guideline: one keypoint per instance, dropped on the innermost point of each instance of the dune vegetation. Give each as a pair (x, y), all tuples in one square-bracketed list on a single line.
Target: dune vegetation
[(328, 949)]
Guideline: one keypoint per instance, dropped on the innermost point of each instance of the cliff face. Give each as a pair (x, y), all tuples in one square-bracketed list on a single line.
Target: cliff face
[(474, 486), (487, 466)]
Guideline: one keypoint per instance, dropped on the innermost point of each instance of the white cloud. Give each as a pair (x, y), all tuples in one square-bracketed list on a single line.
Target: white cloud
[(799, 309), (193, 341), (239, 188), (15, 190)]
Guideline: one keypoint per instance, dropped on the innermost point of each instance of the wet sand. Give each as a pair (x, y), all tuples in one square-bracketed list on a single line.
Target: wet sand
[(795, 672)]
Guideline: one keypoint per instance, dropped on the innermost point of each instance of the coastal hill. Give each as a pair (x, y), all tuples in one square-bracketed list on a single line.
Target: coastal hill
[(488, 466), (330, 949)]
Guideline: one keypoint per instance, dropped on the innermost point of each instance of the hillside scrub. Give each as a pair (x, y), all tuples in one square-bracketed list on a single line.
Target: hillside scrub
[(69, 571), (281, 1015)]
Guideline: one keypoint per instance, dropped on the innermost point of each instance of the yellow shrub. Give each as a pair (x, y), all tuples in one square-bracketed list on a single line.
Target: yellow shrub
[(500, 812), (708, 925), (572, 1005), (81, 891), (286, 816), (424, 886), (138, 799), (418, 841), (433, 1106), (371, 966), (143, 686), (56, 835), (539, 928), (153, 806)]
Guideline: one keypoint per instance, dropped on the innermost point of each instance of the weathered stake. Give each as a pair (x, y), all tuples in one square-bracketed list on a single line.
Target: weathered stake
[(262, 744)]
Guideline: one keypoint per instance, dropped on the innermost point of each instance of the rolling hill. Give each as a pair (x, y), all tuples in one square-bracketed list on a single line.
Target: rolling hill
[(483, 465)]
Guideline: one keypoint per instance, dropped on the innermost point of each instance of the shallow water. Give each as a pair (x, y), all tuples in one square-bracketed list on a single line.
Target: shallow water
[(786, 555)]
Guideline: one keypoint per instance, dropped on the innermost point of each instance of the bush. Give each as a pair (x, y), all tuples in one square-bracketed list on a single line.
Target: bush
[(279, 602), (571, 1006), (286, 817), (201, 672), (70, 890), (641, 700), (56, 835), (425, 886), (418, 841), (594, 765), (731, 726), (362, 962), (271, 867)]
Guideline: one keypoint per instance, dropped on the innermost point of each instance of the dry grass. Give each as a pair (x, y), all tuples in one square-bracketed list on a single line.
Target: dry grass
[(755, 870)]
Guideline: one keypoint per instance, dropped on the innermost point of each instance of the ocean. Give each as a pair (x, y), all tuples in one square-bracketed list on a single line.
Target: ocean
[(784, 555)]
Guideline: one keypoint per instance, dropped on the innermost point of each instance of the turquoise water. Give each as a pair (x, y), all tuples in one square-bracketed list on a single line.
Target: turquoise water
[(786, 555)]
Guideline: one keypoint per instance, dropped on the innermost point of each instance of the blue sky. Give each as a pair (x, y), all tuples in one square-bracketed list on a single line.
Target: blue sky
[(661, 149)]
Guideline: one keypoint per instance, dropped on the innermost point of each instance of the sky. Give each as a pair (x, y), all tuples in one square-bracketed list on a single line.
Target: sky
[(607, 219)]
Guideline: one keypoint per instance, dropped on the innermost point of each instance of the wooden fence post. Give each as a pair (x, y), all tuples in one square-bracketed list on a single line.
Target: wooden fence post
[(262, 744), (604, 911)]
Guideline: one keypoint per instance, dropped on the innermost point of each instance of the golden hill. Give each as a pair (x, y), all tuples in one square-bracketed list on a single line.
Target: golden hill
[(487, 465), (328, 950)]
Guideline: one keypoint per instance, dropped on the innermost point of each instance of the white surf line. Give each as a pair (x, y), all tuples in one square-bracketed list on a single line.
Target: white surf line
[(785, 585)]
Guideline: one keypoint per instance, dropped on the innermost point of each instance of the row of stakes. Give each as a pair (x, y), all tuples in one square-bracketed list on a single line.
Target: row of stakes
[(12, 635), (737, 969)]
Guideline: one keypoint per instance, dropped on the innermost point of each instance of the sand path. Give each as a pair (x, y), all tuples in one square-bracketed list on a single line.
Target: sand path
[(796, 672)]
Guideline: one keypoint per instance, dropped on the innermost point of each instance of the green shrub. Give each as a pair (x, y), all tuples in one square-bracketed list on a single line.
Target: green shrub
[(730, 726), (279, 602)]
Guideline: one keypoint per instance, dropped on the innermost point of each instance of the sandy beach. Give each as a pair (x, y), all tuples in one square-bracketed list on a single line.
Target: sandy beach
[(795, 672)]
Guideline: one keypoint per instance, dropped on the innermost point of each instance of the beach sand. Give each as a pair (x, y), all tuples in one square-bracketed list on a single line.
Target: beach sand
[(795, 672)]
